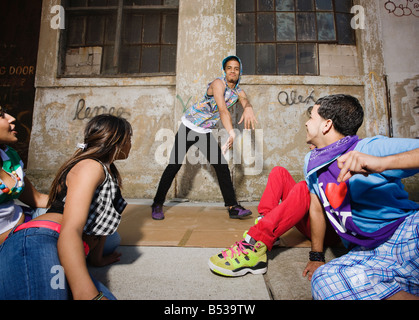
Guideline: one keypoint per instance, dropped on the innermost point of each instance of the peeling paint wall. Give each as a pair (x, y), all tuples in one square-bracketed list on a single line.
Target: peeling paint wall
[(62, 113), (154, 105), (399, 27), (401, 54)]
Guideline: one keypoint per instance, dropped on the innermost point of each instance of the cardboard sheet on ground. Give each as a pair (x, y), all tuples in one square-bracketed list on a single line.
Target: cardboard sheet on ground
[(191, 226)]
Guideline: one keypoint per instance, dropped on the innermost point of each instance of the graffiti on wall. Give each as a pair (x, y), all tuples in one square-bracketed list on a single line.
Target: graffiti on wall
[(289, 99), (402, 8), (184, 105), (83, 112)]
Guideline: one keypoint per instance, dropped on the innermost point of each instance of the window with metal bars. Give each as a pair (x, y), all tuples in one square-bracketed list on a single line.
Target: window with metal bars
[(281, 37), (119, 37)]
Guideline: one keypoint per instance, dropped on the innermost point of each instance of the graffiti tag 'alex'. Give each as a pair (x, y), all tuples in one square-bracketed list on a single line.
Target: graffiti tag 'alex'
[(292, 98)]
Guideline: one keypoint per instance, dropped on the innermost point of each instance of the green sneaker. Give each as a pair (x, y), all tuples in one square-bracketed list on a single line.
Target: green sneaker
[(240, 259)]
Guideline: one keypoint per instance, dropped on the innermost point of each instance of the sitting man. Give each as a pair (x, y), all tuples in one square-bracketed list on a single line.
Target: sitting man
[(284, 204), (356, 185)]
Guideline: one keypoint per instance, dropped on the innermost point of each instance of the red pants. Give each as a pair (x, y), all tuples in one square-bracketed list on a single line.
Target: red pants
[(284, 204)]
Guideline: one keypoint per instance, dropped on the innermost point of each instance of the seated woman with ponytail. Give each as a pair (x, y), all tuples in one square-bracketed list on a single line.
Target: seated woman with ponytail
[(85, 208)]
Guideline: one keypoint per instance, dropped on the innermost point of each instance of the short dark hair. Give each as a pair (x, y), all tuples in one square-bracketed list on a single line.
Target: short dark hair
[(345, 111)]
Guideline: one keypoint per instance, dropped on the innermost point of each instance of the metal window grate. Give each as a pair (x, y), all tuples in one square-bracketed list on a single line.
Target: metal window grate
[(281, 37), (128, 37)]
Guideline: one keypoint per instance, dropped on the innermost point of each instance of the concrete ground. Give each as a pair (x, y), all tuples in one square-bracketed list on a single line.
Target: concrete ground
[(167, 260)]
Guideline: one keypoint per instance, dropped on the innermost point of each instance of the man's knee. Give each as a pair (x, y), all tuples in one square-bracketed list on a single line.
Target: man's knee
[(318, 281), (279, 174), (302, 186), (278, 171)]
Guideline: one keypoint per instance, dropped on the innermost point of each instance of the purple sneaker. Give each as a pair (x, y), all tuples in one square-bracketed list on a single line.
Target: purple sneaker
[(157, 212), (238, 212)]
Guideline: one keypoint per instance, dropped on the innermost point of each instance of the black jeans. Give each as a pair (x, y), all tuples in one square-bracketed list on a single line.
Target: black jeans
[(206, 143)]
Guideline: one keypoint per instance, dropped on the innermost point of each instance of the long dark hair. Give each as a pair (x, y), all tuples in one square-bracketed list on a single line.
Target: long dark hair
[(104, 136)]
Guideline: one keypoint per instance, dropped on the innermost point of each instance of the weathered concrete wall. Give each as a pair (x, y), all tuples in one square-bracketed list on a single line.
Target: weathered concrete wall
[(61, 115), (399, 27), (369, 46), (154, 105), (401, 58)]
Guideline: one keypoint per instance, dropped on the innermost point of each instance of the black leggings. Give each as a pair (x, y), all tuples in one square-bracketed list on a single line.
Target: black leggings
[(206, 143)]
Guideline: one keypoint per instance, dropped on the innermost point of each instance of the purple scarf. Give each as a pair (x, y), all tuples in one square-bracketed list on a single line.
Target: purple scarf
[(336, 197)]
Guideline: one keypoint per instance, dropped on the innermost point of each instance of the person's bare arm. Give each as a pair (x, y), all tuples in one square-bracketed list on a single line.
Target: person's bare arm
[(248, 116), (318, 231), (33, 197), (355, 162), (82, 181), (217, 88)]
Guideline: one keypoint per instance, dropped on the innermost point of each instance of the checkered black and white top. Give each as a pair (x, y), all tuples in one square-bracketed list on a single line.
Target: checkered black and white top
[(106, 208)]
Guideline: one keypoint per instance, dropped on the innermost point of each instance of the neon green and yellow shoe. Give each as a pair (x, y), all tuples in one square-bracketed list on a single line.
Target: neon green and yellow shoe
[(240, 259)]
